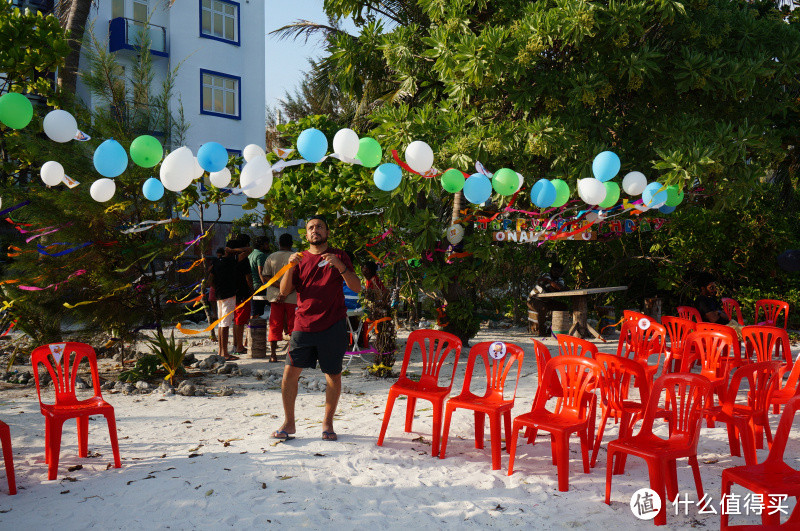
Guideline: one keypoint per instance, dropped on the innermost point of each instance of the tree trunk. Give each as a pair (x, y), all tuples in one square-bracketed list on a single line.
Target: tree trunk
[(73, 15)]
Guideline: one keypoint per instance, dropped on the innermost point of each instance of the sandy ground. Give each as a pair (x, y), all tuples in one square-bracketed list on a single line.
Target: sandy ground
[(209, 462)]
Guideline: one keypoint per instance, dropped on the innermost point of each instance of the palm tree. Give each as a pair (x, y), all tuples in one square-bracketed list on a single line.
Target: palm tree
[(73, 15)]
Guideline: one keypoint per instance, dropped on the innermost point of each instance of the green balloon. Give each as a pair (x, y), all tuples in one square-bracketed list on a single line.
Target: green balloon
[(505, 181), (16, 110), (453, 180), (562, 192), (146, 151), (612, 195), (369, 152), (674, 195)]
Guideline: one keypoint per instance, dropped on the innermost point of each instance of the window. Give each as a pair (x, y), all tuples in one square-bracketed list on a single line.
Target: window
[(219, 19), (220, 94), (117, 8), (140, 10)]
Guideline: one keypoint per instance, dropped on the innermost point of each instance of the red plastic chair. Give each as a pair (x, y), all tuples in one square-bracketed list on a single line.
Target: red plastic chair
[(709, 348), (772, 311), (492, 403), (639, 344), (618, 375), (554, 388), (631, 315), (678, 329), (768, 343), (576, 376), (8, 457), (436, 347), (686, 397), (732, 310), (574, 346), (734, 358), (788, 390), (62, 361), (747, 421), (688, 312), (773, 476)]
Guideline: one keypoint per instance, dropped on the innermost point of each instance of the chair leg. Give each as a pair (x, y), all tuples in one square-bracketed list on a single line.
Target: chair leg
[(112, 435), (748, 443), (586, 445), (411, 405), (386, 416), (448, 413), (733, 438), (494, 434), (609, 475), (599, 439), (437, 428), (726, 491), (553, 449), (46, 441), (8, 457), (656, 470), (671, 479), (480, 422), (54, 447), (507, 426), (698, 481), (563, 462), (83, 436), (512, 447)]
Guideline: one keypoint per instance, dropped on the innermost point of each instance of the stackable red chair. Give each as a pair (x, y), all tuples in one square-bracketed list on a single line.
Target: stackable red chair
[(772, 310), (639, 344), (768, 343), (62, 361), (574, 346), (631, 315), (678, 329), (788, 390), (710, 349), (689, 312), (542, 357), (8, 457), (732, 310), (686, 397), (576, 376), (771, 477), (436, 347), (493, 401), (747, 421), (734, 358)]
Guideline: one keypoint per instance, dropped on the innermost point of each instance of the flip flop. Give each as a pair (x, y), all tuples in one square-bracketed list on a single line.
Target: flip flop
[(329, 436), (282, 435), (230, 357)]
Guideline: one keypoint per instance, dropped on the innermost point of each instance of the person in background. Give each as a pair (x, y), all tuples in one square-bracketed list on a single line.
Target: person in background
[(282, 307), (370, 273), (542, 308), (222, 278), (244, 288), (256, 259), (709, 304)]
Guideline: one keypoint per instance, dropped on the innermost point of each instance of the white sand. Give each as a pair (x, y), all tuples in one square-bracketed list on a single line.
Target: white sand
[(240, 477)]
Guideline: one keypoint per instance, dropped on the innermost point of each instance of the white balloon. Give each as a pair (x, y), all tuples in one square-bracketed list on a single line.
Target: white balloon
[(102, 190), (521, 180), (252, 151), (455, 233), (591, 191), (60, 126), (52, 173), (634, 183), (177, 169), (198, 170), (345, 143), (221, 178), (419, 156), (256, 178)]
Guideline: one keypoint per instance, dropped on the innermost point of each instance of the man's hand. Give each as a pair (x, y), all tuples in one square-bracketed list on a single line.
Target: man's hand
[(334, 261), (295, 258)]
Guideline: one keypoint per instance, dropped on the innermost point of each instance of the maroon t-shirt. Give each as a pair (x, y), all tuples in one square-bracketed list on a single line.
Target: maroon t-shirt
[(320, 298)]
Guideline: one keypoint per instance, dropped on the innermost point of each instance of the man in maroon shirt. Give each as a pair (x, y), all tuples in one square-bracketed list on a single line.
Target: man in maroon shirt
[(320, 330)]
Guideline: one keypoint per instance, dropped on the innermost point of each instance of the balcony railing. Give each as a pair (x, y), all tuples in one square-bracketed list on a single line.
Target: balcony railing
[(124, 34)]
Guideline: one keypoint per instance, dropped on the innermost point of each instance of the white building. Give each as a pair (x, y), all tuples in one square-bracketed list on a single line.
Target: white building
[(220, 46)]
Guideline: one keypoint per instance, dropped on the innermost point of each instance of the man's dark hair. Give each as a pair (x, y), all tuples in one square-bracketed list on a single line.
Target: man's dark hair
[(317, 216), (371, 268), (244, 239), (221, 250), (704, 279), (285, 240), (260, 242), (233, 242)]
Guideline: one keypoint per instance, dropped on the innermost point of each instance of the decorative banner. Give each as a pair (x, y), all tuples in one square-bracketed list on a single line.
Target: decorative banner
[(543, 235), (527, 230), (80, 136), (69, 181)]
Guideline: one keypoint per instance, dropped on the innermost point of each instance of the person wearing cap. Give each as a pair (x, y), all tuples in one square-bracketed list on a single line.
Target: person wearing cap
[(542, 308)]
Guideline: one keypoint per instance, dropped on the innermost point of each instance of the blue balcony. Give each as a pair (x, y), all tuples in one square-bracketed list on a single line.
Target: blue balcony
[(124, 34)]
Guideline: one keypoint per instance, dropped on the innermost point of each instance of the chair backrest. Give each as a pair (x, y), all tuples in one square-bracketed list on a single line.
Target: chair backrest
[(772, 310), (766, 341), (725, 329), (496, 370), (691, 313), (62, 361), (678, 330), (542, 357), (686, 397), (578, 377), (709, 347), (618, 375), (639, 343), (436, 347), (762, 379), (782, 435), (732, 310), (630, 315), (574, 346)]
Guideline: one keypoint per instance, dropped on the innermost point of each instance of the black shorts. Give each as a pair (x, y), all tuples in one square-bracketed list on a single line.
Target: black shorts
[(327, 347)]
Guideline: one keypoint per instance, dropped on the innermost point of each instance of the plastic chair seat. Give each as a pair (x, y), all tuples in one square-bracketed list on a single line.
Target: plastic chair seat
[(92, 406), (652, 446), (548, 421), (480, 403), (418, 389), (753, 477)]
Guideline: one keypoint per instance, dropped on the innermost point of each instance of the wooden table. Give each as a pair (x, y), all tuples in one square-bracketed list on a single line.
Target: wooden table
[(580, 326)]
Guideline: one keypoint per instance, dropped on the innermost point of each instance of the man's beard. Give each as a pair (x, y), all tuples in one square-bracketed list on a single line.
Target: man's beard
[(320, 241)]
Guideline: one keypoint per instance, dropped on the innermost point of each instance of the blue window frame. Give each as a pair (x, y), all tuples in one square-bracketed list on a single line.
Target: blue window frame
[(219, 20), (220, 94)]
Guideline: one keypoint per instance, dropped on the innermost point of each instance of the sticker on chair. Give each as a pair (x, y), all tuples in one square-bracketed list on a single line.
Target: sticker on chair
[(57, 350), (644, 324), (497, 350)]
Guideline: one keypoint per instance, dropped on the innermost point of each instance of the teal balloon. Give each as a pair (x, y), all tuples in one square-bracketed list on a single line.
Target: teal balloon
[(666, 209), (152, 189), (110, 158), (651, 196), (312, 145), (16, 110), (543, 193), (212, 157), (477, 188), (674, 195), (387, 176), (605, 166), (562, 192), (612, 195)]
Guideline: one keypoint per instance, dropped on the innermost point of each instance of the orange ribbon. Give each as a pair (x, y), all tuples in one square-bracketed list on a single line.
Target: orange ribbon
[(373, 325)]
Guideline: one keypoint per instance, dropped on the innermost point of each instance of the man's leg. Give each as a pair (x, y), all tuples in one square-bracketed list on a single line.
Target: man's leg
[(238, 343), (273, 350), (291, 375), (223, 341), (333, 390)]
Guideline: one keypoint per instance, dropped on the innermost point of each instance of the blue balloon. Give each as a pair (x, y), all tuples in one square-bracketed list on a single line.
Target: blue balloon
[(152, 189), (666, 209), (651, 196), (477, 188), (387, 176), (110, 158), (543, 193), (212, 156), (312, 145), (605, 166)]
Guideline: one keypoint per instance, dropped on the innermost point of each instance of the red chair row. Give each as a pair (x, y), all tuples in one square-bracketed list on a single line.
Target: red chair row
[(770, 308)]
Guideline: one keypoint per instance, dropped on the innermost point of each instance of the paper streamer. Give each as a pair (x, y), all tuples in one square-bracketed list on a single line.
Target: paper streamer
[(195, 264), (42, 250), (13, 208), (147, 225), (83, 303), (55, 286)]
